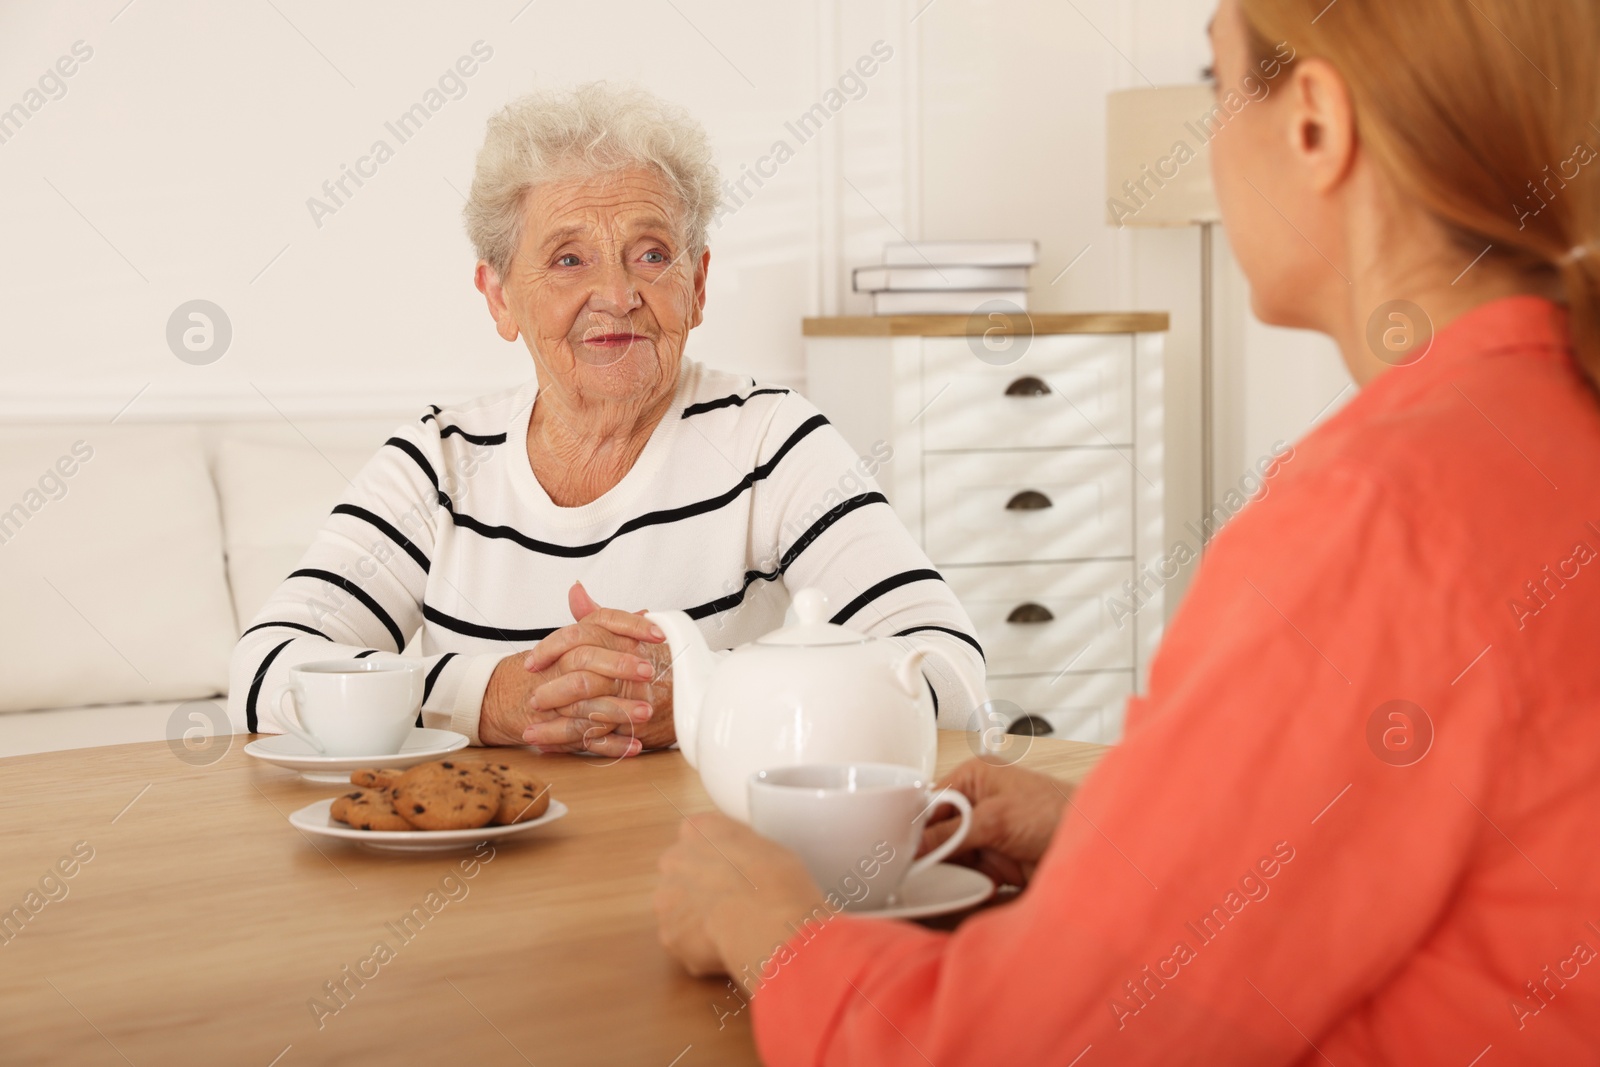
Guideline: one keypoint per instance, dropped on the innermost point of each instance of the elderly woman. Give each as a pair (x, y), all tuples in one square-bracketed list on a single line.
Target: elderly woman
[(623, 474)]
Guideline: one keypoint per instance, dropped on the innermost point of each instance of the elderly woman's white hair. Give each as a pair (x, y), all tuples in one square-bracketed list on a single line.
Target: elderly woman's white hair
[(591, 130)]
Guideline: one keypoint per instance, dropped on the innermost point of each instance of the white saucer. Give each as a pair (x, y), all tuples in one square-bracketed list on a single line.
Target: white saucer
[(287, 750), (314, 819), (942, 888)]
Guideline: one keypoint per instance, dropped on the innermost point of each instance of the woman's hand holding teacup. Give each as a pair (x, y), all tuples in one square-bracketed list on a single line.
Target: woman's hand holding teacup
[(1014, 816), (729, 898), (601, 685)]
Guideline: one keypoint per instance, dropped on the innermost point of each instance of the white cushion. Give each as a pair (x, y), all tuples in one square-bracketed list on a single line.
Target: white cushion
[(275, 497), (111, 568), (190, 727)]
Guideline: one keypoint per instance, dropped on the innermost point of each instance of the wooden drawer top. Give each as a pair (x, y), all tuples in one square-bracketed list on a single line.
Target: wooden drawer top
[(958, 325)]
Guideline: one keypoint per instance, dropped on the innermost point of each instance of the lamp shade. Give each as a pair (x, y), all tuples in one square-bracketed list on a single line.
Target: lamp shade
[(1158, 155)]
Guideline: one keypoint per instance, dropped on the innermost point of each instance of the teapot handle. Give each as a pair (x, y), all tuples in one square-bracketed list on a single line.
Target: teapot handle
[(908, 673)]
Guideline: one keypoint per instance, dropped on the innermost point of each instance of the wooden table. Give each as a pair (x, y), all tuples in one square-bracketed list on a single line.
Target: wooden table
[(204, 925)]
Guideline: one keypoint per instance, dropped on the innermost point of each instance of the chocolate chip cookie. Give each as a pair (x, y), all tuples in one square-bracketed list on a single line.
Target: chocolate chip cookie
[(371, 778), (369, 809), (522, 796), (447, 795)]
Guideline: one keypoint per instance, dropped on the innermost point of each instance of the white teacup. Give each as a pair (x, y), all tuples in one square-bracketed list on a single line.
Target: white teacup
[(856, 825), (351, 707)]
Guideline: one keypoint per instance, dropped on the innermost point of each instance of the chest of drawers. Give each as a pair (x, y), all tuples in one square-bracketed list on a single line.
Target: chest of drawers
[(1029, 467)]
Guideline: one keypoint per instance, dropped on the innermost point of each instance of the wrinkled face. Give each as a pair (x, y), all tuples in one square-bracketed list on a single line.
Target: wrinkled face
[(602, 289)]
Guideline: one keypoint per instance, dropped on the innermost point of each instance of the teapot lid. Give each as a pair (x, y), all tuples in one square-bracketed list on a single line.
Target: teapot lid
[(813, 627)]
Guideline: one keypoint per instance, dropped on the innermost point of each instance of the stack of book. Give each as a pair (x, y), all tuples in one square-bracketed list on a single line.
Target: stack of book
[(948, 277)]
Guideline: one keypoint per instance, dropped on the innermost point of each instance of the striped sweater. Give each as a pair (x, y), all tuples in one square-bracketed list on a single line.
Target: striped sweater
[(447, 543)]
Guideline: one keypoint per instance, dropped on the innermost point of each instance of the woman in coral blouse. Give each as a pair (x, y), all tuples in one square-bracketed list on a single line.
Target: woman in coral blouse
[(1356, 819)]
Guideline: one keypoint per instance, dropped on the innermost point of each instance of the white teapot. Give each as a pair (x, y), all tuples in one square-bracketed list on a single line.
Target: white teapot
[(814, 692)]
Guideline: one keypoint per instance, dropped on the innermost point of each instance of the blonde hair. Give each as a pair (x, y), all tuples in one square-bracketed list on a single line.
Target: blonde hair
[(1479, 111), (592, 130)]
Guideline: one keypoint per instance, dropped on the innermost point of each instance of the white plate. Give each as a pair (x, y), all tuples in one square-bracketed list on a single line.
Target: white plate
[(286, 750), (942, 888), (315, 819)]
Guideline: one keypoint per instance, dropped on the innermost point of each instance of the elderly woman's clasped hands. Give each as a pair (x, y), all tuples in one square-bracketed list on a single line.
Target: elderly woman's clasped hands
[(601, 685)]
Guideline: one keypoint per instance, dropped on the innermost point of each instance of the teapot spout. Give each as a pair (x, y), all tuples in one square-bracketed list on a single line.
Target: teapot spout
[(691, 674)]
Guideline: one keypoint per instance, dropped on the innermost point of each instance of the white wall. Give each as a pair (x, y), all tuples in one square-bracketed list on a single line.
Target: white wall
[(179, 162)]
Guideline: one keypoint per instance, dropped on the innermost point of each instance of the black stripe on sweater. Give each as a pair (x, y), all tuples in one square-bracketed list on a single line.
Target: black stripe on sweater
[(339, 581), (816, 530), (726, 401), (433, 676), (427, 684), (388, 530), (968, 638), (488, 633), (289, 625), (474, 438), (888, 585), (732, 600), (422, 461), (251, 722), (653, 518)]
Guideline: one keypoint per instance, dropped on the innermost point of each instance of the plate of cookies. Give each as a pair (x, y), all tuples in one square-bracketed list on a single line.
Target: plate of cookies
[(433, 807)]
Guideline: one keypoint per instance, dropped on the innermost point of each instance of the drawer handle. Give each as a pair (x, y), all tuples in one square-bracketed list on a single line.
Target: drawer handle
[(1029, 386), (1029, 500), (1031, 726), (1030, 613)]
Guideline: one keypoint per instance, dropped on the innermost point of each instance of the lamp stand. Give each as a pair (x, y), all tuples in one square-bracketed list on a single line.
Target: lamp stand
[(1207, 464)]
